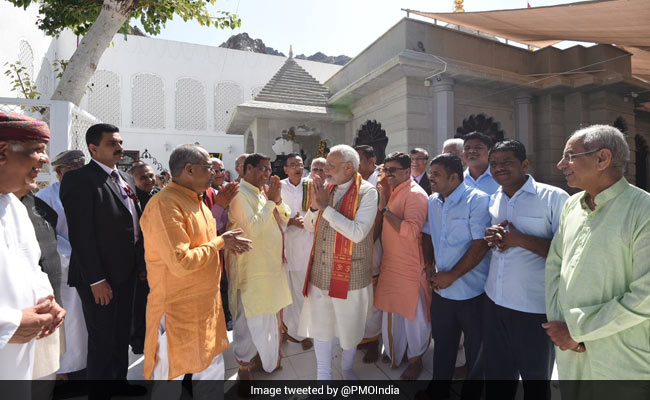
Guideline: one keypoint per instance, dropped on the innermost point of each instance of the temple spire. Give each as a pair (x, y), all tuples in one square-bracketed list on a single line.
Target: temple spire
[(290, 51), (458, 6)]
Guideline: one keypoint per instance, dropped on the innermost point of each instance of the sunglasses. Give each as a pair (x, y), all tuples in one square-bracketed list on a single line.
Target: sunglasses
[(392, 170)]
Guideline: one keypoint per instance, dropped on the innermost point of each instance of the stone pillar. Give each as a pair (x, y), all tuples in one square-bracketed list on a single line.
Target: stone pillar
[(443, 111), (524, 121)]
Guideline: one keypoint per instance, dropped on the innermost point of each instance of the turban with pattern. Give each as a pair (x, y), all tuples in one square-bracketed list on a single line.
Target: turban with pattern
[(19, 127)]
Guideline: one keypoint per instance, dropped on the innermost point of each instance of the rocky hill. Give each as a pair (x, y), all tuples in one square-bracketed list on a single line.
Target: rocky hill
[(246, 43)]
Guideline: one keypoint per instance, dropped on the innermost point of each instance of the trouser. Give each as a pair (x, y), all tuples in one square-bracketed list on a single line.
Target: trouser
[(403, 336), (257, 335), (223, 288), (206, 384), (109, 329), (448, 319), (138, 325), (514, 344)]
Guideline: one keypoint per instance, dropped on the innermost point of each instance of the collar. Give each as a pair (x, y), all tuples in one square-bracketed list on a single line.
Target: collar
[(183, 190), (606, 195), (529, 186), (455, 196), (346, 185), (106, 168), (419, 177), (249, 185), (486, 173), (406, 184), (299, 185)]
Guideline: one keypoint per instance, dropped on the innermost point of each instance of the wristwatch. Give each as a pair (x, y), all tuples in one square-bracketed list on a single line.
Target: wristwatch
[(383, 210)]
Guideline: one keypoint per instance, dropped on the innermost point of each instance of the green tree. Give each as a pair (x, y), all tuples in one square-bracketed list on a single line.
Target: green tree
[(99, 20)]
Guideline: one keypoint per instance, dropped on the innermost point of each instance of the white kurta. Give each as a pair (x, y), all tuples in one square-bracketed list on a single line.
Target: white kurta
[(22, 284), (76, 334), (298, 244)]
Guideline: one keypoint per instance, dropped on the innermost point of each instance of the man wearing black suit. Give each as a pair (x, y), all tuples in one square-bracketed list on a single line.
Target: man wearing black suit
[(102, 211), (419, 160)]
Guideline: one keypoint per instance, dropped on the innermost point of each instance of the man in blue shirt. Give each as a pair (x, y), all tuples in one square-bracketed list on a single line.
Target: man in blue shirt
[(525, 216), (476, 147), (456, 223)]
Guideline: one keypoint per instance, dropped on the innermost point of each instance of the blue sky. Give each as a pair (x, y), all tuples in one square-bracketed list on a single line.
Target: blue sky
[(333, 27)]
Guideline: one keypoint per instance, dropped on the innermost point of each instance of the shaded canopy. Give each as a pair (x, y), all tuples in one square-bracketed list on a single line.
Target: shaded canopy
[(624, 23)]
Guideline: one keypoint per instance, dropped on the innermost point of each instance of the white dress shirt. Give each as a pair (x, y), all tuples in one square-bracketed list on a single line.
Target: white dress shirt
[(358, 228), (516, 277)]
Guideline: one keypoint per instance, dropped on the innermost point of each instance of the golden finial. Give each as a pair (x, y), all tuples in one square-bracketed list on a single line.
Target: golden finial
[(458, 6), (290, 51)]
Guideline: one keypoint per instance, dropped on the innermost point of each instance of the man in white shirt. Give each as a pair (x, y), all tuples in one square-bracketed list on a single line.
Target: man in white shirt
[(28, 309), (338, 286), (298, 243), (525, 216)]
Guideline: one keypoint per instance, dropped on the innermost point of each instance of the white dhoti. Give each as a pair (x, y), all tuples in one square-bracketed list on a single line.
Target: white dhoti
[(373, 324), (211, 388), (257, 335), (76, 335), (291, 313), (402, 336), (324, 318)]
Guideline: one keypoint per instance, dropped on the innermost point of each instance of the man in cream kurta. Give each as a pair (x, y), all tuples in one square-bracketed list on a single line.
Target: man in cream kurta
[(258, 287), (403, 292), (325, 317), (295, 193), (27, 306), (185, 329), (597, 269)]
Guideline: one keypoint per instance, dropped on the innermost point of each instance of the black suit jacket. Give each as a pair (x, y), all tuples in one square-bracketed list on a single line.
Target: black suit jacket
[(100, 228), (425, 184)]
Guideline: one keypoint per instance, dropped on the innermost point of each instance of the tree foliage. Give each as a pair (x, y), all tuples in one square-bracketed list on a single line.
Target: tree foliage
[(79, 15)]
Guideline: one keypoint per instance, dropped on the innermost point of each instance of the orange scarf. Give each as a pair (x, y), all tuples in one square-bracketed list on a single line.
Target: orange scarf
[(342, 260)]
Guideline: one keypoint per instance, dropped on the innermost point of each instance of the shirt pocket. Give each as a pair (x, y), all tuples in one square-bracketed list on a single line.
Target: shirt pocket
[(458, 231), (533, 226)]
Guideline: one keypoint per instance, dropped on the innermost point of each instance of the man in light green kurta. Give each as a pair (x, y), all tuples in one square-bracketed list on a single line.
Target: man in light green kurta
[(258, 286), (598, 266)]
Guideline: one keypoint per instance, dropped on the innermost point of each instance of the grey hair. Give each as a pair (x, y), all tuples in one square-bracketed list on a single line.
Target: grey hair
[(597, 137), (320, 160), (348, 153), (183, 154), (216, 160), (456, 142)]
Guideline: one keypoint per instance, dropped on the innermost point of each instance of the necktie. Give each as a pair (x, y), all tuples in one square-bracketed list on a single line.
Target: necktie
[(124, 186)]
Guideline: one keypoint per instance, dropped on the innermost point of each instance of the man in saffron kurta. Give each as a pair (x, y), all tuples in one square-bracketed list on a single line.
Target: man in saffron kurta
[(402, 292), (186, 331), (258, 287)]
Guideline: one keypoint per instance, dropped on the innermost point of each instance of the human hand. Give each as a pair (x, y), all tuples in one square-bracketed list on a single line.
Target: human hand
[(442, 280), (321, 195), (560, 335), (58, 314), (274, 191), (233, 242), (33, 321), (511, 237), (384, 194), (227, 193), (494, 234), (102, 292), (297, 221)]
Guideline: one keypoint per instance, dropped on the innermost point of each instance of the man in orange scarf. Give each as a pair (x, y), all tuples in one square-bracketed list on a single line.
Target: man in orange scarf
[(338, 286)]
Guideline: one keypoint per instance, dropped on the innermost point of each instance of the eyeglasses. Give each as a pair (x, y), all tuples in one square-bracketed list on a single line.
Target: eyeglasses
[(208, 167), (392, 170), (570, 156), (218, 171)]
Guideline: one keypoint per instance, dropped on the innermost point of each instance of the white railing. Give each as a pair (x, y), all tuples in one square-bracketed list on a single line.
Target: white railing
[(68, 124)]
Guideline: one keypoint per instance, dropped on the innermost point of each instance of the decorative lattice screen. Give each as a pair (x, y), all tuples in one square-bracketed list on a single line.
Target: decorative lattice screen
[(147, 102), (44, 80), (26, 59), (104, 97), (190, 105), (79, 124), (227, 96)]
